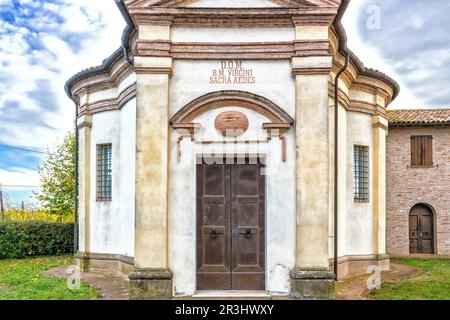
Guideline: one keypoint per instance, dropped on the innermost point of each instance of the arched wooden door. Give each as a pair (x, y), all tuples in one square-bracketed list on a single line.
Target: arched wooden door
[(421, 230)]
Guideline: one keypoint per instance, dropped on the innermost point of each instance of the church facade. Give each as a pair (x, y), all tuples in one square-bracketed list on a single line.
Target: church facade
[(206, 151)]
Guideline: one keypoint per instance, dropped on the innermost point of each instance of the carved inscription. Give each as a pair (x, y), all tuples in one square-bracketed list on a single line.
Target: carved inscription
[(232, 72)]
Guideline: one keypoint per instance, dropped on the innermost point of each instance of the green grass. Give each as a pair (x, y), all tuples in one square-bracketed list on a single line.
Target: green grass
[(432, 284), (22, 280)]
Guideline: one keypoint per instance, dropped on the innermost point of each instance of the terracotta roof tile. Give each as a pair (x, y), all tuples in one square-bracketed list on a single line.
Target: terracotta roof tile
[(419, 117)]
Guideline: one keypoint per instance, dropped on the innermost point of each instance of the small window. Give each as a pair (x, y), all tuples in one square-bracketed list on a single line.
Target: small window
[(361, 174), (421, 151), (104, 172)]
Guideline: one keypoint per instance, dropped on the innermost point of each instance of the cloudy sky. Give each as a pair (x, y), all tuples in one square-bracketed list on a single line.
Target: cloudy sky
[(44, 42)]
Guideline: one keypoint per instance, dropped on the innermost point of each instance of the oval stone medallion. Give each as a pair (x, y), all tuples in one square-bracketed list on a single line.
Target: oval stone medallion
[(231, 123)]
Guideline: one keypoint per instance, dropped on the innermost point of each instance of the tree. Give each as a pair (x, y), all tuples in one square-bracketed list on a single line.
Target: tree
[(57, 178)]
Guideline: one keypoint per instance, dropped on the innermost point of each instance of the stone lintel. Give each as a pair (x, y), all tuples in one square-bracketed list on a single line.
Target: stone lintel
[(151, 284)]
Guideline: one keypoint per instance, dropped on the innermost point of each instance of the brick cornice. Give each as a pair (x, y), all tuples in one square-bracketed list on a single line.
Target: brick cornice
[(233, 17), (153, 70), (310, 71), (234, 50), (110, 104), (183, 3)]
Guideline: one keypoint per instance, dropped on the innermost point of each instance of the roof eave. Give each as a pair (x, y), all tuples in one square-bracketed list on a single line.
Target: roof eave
[(419, 124)]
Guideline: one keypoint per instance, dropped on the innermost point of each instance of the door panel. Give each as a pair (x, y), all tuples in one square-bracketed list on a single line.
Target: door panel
[(413, 233), (248, 243), (426, 225), (213, 227), (230, 227), (421, 232)]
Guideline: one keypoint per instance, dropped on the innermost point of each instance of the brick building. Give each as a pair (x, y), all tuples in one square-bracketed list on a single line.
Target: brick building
[(418, 182)]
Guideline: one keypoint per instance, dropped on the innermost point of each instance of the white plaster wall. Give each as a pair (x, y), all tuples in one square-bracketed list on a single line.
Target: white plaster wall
[(273, 81), (112, 223), (358, 224), (342, 181), (361, 96), (126, 82), (127, 176), (232, 35), (102, 95), (280, 201)]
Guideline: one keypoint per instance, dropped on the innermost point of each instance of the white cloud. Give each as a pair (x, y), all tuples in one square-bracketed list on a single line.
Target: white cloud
[(45, 45), (19, 177), (372, 57)]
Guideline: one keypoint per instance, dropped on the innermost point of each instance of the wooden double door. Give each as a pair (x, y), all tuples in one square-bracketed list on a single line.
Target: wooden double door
[(230, 226), (421, 230)]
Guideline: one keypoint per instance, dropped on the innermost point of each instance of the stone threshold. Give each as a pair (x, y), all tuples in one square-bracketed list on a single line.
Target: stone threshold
[(232, 295)]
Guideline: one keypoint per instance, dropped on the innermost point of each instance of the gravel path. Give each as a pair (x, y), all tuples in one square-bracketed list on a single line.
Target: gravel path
[(110, 286), (355, 288)]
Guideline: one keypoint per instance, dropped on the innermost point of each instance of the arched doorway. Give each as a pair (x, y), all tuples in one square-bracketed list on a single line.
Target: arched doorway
[(421, 230)]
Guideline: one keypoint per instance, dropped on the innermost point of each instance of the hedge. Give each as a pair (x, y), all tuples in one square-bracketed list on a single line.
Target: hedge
[(35, 238)]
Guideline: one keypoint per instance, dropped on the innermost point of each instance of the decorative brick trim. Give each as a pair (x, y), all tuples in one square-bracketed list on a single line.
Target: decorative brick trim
[(310, 71), (108, 79), (234, 50), (110, 104), (357, 105), (280, 120), (152, 70), (225, 98)]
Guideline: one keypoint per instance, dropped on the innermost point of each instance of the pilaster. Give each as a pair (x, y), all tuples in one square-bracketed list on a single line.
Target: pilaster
[(311, 278), (152, 278), (380, 130), (84, 124)]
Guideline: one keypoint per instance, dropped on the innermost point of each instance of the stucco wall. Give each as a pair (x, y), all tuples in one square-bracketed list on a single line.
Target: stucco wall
[(112, 223), (355, 218), (232, 35), (358, 223), (191, 79), (408, 186), (280, 200)]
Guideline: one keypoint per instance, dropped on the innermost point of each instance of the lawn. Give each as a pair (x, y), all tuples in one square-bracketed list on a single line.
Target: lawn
[(432, 284), (22, 280)]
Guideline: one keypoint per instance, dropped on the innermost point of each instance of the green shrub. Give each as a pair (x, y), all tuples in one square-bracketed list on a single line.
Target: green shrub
[(12, 242), (35, 238)]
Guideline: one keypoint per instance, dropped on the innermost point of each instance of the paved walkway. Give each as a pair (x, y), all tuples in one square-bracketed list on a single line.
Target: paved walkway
[(115, 287), (355, 288), (110, 286)]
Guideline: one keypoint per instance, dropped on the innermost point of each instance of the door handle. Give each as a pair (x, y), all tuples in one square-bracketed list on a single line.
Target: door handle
[(248, 233), (214, 233)]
